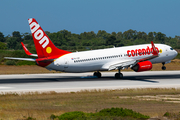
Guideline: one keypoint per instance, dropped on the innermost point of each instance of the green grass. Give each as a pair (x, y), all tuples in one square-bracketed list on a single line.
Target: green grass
[(42, 105), (25, 63)]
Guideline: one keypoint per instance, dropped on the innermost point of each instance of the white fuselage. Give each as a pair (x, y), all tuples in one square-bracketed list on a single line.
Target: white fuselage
[(101, 60)]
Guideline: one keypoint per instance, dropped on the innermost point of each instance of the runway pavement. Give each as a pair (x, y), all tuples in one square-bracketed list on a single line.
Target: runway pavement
[(72, 82)]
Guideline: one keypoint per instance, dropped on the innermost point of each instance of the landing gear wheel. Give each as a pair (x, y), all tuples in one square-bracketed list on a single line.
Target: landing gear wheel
[(118, 75), (97, 74), (163, 68), (121, 75)]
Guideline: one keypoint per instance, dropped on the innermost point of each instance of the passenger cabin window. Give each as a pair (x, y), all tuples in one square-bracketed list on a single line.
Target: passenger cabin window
[(99, 58)]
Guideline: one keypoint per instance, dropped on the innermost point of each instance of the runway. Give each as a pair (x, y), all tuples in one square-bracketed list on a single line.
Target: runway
[(72, 82)]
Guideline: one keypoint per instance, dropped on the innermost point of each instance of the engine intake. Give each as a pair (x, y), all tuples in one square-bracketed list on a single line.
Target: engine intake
[(142, 66)]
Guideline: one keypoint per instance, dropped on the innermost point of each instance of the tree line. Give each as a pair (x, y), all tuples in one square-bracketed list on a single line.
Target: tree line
[(66, 40)]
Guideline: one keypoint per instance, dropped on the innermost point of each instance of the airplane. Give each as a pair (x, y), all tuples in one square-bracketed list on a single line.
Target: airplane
[(137, 57)]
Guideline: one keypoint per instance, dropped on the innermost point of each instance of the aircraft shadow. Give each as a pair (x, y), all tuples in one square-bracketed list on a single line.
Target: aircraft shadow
[(149, 78)]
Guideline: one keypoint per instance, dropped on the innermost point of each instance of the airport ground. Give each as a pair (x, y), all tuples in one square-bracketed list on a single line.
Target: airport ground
[(154, 102)]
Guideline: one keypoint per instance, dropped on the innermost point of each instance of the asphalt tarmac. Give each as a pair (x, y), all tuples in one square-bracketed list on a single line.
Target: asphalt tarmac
[(72, 82)]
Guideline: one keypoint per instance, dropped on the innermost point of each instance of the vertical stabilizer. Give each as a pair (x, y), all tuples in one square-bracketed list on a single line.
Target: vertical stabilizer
[(44, 46)]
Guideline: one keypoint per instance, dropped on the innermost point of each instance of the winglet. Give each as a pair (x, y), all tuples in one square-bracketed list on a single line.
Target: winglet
[(155, 52), (26, 50)]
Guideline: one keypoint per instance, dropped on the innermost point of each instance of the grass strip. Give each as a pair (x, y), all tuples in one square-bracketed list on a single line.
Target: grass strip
[(42, 105)]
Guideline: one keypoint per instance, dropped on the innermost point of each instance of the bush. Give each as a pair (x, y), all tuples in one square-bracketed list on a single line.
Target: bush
[(72, 115), (3, 46), (105, 114), (30, 118), (121, 112), (26, 63), (167, 114), (10, 62), (178, 56), (52, 117), (19, 53)]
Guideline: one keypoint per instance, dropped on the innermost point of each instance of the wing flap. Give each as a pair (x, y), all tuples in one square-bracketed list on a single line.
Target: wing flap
[(121, 64), (118, 64)]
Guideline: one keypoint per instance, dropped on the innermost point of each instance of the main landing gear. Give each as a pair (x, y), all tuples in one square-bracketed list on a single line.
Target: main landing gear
[(97, 74), (119, 75), (163, 67)]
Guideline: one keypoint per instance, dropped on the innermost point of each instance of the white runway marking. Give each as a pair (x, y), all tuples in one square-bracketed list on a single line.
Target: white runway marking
[(5, 87)]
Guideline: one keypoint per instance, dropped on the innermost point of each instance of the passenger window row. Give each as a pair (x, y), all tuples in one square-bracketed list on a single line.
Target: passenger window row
[(99, 58)]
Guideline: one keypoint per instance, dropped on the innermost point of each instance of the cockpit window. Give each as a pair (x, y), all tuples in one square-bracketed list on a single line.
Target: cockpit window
[(171, 48)]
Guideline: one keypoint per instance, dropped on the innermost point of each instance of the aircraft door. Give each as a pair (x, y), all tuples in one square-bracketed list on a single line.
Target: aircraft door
[(167, 51), (66, 63)]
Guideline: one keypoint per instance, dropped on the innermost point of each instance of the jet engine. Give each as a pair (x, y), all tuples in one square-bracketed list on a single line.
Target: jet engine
[(142, 66)]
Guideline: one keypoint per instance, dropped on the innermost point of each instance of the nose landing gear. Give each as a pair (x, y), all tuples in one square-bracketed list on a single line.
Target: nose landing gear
[(163, 67)]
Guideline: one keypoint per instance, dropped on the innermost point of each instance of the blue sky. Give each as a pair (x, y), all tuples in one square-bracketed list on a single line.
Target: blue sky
[(80, 16)]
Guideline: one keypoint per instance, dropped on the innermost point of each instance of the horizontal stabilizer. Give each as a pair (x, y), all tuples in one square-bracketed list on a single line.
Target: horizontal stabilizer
[(27, 59)]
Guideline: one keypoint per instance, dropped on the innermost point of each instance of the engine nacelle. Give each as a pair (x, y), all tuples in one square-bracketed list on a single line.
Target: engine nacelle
[(142, 66)]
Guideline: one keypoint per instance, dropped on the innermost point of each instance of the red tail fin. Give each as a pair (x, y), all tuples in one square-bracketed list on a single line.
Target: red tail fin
[(44, 46)]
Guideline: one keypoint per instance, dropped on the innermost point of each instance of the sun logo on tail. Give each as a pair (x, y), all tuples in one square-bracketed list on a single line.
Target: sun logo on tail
[(48, 50)]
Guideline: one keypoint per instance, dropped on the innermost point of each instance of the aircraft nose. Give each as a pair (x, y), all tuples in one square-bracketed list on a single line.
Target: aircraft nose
[(175, 53)]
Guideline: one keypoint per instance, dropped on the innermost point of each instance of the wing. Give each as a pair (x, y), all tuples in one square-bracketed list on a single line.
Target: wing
[(27, 51), (32, 59), (27, 59), (130, 62), (119, 64)]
